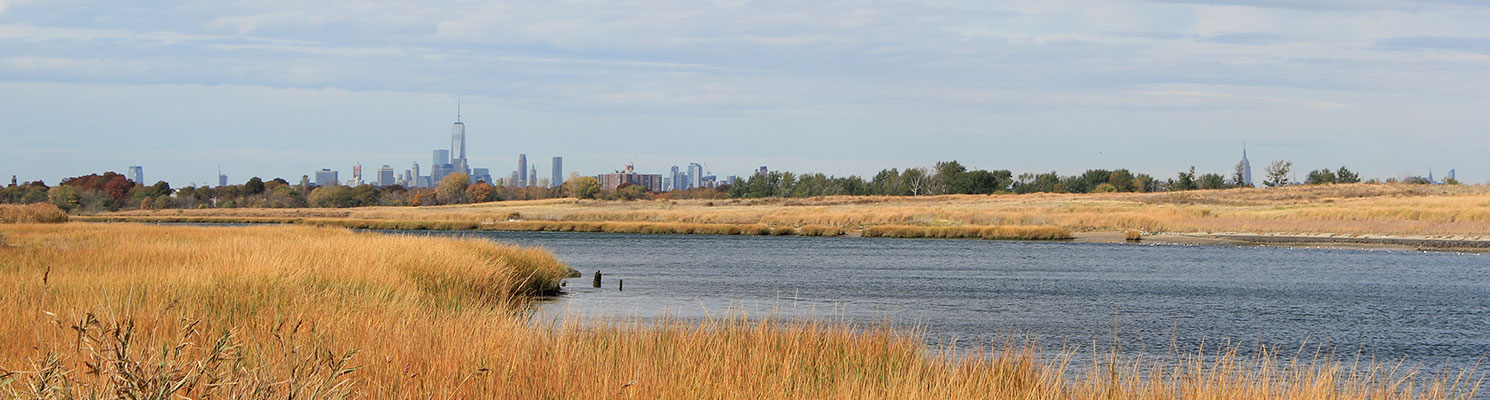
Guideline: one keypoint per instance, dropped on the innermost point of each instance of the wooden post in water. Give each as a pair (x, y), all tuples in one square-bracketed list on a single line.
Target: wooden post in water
[(597, 279), (621, 284)]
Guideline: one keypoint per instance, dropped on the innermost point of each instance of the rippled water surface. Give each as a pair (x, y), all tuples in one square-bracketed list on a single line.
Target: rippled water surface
[(1429, 309)]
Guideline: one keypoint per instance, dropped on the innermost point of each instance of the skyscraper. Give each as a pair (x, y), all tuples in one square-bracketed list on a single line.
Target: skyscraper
[(458, 143), (533, 176), (326, 177), (385, 175), (137, 174), (522, 170), (676, 183), (1246, 167), (695, 175), (558, 178), (356, 175), (222, 180), (414, 176)]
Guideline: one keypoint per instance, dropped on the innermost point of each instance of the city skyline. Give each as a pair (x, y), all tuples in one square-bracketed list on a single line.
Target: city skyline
[(842, 89)]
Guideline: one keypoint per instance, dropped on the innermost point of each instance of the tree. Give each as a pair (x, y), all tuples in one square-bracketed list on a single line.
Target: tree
[(1320, 177), (1211, 181), (1345, 175), (1278, 173), (1185, 180), (918, 179), (161, 188), (64, 197), (584, 187), (1105, 187), (949, 177), (629, 191), (1122, 180), (480, 192), (452, 189), (1239, 177), (253, 186)]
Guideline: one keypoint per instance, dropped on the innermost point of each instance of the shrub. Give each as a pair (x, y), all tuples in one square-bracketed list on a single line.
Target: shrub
[(31, 213)]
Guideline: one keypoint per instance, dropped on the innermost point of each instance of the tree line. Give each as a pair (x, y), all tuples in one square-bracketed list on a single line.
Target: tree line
[(112, 191)]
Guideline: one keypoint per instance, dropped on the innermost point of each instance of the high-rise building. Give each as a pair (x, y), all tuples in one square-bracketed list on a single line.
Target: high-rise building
[(676, 183), (458, 143), (385, 175), (414, 176), (762, 171), (611, 181), (533, 175), (441, 157), (695, 175), (356, 175), (137, 174), (522, 170), (481, 175), (1246, 168), (558, 178), (222, 180), (1451, 176), (326, 177)]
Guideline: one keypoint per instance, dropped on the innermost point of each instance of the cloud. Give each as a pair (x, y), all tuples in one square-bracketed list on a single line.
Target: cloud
[(1453, 43)]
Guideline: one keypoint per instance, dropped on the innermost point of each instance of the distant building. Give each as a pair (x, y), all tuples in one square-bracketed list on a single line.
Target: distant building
[(222, 180), (442, 157), (695, 175), (414, 177), (1451, 176), (356, 175), (522, 170), (533, 176), (137, 174), (1246, 168), (611, 181), (385, 175), (674, 181), (458, 145), (481, 175), (558, 178), (762, 171), (325, 178)]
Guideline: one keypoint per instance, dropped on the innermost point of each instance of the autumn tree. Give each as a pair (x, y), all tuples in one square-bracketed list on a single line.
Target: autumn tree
[(452, 189), (584, 187), (481, 192)]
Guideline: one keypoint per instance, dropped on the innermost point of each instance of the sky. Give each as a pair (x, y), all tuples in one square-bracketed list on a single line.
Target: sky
[(281, 88)]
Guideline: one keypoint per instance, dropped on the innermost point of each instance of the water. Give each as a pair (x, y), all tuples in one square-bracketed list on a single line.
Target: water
[(1428, 309)]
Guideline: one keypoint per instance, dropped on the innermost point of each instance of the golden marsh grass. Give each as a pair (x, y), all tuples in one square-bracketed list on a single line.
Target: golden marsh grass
[(1354, 209), (109, 310)]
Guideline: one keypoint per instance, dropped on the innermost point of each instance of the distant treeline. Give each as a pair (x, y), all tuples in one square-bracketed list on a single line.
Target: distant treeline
[(111, 191)]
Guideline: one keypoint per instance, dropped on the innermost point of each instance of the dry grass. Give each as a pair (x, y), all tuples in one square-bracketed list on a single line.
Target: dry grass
[(969, 232), (120, 310), (1357, 209), (31, 213)]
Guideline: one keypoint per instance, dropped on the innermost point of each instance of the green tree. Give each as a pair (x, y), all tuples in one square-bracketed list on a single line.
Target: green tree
[(1345, 175), (64, 197), (1239, 176), (1185, 180), (1122, 180), (629, 191), (452, 189), (253, 186), (949, 178), (1211, 181), (1320, 177), (1277, 173)]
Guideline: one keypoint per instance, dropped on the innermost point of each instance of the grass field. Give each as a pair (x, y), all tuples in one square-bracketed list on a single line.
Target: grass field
[(1357, 209), (139, 311)]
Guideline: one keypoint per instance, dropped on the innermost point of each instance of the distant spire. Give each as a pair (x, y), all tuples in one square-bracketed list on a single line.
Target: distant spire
[(457, 109)]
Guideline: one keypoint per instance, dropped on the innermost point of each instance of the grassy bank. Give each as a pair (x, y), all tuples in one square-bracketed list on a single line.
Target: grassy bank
[(1357, 209), (311, 312)]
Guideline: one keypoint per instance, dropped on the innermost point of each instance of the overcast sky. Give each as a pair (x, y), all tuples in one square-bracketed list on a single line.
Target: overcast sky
[(282, 88)]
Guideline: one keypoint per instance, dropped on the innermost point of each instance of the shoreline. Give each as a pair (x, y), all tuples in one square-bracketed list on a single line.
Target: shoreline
[(1373, 242)]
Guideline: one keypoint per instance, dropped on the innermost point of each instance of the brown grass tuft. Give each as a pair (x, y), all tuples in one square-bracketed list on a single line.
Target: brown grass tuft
[(45, 213)]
